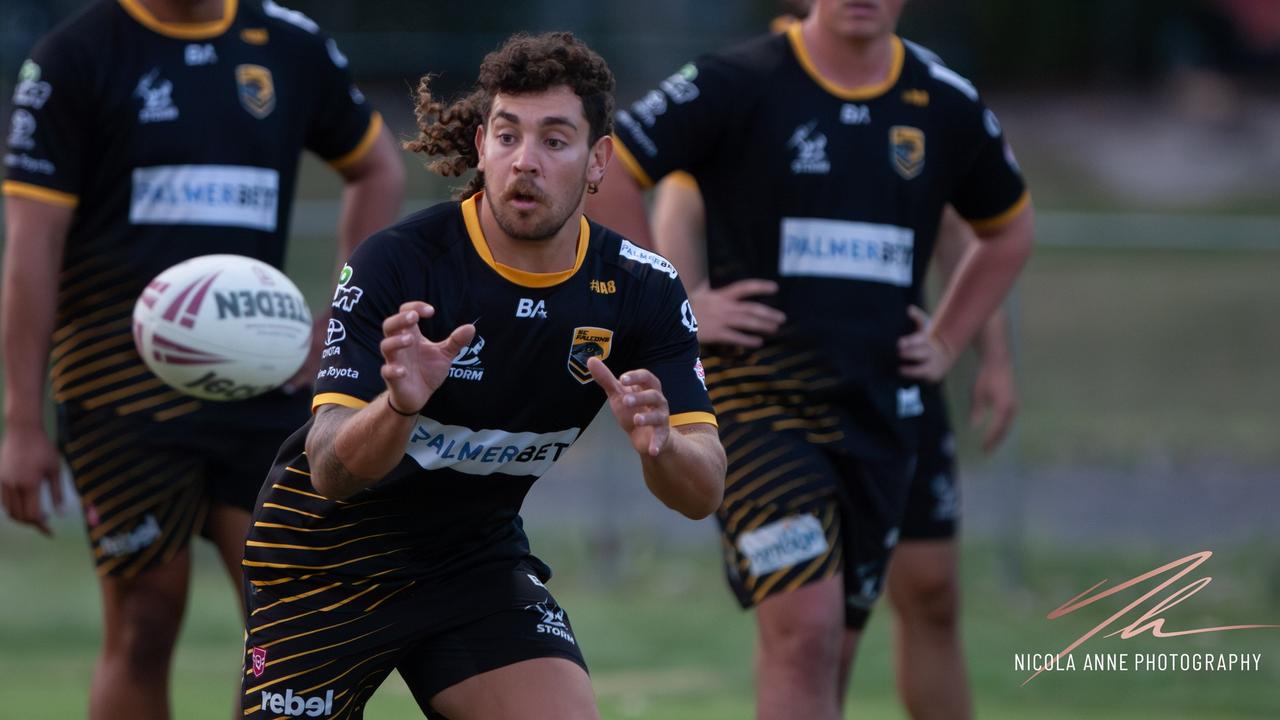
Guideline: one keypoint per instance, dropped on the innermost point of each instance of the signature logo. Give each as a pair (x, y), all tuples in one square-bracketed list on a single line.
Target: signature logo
[(1151, 620)]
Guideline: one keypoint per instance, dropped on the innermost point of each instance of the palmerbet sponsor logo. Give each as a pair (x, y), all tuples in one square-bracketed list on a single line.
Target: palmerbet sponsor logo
[(819, 247), (131, 541), (291, 705), (436, 446), (652, 259), (783, 543), (218, 195)]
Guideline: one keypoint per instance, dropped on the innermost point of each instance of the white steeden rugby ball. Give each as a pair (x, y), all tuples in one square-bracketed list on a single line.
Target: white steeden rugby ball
[(222, 327)]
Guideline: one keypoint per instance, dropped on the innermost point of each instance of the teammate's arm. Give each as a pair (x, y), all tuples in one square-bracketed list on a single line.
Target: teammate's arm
[(994, 394), (684, 469), (350, 450), (372, 192), (980, 284), (725, 315), (37, 233)]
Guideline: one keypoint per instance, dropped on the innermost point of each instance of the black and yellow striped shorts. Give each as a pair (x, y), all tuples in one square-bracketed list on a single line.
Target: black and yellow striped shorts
[(796, 512)]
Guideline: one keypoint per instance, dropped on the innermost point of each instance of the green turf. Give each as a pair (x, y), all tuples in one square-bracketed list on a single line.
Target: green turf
[(665, 641)]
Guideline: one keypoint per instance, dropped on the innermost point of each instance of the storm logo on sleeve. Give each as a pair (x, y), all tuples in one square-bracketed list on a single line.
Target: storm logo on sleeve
[(588, 342), (256, 89)]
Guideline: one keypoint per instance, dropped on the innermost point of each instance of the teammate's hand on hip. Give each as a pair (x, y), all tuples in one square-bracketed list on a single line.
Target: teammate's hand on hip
[(925, 356), (416, 367), (28, 460), (995, 397), (637, 402), (726, 316)]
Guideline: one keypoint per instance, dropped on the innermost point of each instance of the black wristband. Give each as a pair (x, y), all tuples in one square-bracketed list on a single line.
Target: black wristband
[(394, 410)]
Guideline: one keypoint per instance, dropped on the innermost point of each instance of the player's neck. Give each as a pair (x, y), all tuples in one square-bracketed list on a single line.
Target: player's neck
[(846, 61), (185, 11), (557, 253)]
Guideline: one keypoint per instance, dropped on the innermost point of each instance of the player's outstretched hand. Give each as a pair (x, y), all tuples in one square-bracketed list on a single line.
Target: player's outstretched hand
[(924, 356), (725, 315), (28, 460), (637, 402), (416, 367), (995, 398)]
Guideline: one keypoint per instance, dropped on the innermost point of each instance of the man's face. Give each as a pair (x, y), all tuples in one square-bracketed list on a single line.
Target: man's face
[(859, 19), (536, 160)]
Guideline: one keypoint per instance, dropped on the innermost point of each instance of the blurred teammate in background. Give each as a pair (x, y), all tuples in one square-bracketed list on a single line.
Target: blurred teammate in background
[(388, 535), (825, 158), (923, 580), (146, 132)]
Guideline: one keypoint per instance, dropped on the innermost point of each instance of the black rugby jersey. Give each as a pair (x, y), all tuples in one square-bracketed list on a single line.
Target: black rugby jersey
[(836, 194), (515, 399), (170, 141)]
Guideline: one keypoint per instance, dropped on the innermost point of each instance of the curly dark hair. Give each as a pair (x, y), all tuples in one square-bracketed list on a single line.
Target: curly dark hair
[(523, 64)]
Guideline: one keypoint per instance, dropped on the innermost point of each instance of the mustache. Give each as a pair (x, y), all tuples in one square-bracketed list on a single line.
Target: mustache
[(525, 188)]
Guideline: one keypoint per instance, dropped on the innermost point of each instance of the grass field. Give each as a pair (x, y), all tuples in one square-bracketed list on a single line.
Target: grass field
[(665, 641)]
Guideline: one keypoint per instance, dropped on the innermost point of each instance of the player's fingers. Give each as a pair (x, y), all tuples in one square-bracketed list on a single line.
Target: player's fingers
[(919, 371), (54, 473), (400, 322), (764, 312), (424, 310), (651, 418), (1001, 420), (645, 398), (604, 376), (390, 345), (915, 352), (30, 502), (729, 336), (393, 372), (749, 287), (458, 339), (920, 317), (914, 340), (640, 379), (752, 323)]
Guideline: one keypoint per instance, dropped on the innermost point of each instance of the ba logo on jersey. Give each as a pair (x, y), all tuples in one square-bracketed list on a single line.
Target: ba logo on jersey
[(527, 308), (588, 342), (906, 150), (256, 89)]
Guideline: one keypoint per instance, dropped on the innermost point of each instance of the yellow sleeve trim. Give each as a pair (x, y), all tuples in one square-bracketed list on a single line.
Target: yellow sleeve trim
[(357, 153), (690, 418), (681, 178), (997, 221), (629, 162), (337, 399), (35, 192)]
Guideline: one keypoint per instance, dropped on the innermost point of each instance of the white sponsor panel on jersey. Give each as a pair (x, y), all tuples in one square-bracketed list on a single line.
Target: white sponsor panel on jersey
[(219, 195), (652, 259), (436, 446), (820, 247), (783, 543)]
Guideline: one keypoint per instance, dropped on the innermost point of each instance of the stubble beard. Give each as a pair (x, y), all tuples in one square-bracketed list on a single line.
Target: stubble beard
[(523, 225)]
